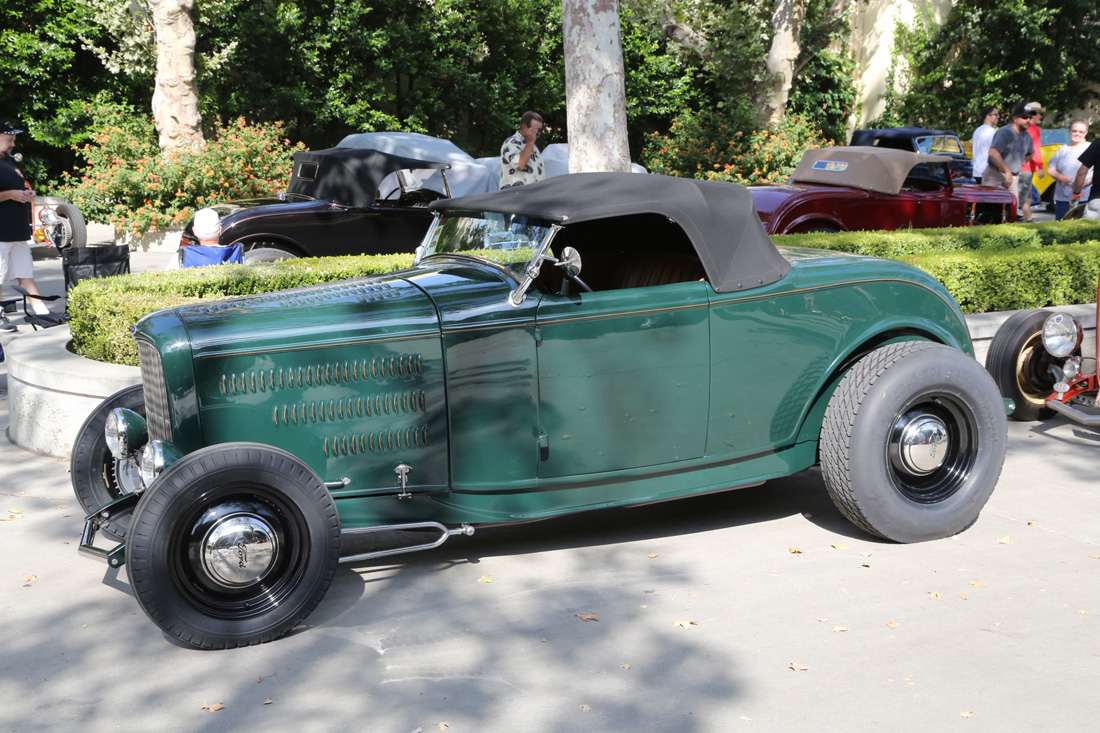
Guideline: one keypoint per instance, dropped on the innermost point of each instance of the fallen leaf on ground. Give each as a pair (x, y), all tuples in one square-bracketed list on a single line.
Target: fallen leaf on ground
[(625, 666), (1032, 523), (1095, 557), (442, 726), (838, 546), (865, 565), (15, 511), (586, 616), (1004, 540), (693, 595), (1082, 612), (213, 708), (841, 628), (893, 624), (978, 584), (966, 713), (798, 667), (28, 577), (795, 550), (268, 701), (586, 708), (62, 506), (485, 579), (962, 597), (684, 624), (822, 620), (654, 554), (934, 594)]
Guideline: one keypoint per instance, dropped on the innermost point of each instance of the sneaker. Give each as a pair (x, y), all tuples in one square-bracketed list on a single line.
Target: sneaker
[(6, 325)]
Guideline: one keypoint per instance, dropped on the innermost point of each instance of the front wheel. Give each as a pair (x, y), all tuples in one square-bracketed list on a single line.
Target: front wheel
[(233, 545), (96, 476), (913, 441), (1023, 369)]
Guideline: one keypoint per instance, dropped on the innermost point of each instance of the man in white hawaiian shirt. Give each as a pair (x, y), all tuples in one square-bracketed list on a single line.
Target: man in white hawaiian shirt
[(520, 159)]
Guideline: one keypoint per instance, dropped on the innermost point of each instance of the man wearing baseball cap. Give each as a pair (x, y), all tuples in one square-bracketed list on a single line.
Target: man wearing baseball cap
[(1011, 146), (1033, 167), (15, 222)]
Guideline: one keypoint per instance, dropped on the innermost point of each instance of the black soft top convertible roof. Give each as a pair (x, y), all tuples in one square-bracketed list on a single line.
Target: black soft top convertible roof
[(348, 176), (718, 218)]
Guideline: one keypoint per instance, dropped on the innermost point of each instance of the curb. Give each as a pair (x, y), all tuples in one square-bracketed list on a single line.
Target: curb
[(51, 390)]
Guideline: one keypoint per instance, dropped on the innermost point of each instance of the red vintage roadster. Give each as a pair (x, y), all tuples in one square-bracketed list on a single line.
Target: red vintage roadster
[(855, 188)]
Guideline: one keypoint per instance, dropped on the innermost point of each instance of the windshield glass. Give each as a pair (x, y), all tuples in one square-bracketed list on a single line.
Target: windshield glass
[(939, 144), (506, 239)]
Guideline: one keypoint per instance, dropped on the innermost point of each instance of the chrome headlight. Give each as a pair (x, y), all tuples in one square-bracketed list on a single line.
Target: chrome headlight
[(1071, 369), (125, 432), (49, 217), (1061, 335), (156, 456)]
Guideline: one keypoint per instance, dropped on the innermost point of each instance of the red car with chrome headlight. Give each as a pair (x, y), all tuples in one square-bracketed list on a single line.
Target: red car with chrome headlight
[(1042, 361)]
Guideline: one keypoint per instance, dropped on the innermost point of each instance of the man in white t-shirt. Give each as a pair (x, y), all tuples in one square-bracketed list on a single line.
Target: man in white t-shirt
[(983, 136)]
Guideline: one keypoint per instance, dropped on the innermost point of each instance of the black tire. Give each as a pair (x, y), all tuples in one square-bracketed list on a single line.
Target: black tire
[(266, 254), (290, 540), (96, 476), (1021, 367), (74, 230), (900, 395)]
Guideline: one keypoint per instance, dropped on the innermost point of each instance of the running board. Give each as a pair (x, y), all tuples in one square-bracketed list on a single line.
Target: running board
[(445, 534)]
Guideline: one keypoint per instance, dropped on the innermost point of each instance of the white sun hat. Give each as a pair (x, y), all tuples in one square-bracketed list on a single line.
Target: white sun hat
[(207, 225)]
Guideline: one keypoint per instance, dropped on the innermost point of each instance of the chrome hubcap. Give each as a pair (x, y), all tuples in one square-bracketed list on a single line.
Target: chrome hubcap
[(239, 549), (921, 445)]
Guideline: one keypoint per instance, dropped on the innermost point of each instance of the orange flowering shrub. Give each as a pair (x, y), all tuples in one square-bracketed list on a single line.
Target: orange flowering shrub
[(716, 150), (128, 181)]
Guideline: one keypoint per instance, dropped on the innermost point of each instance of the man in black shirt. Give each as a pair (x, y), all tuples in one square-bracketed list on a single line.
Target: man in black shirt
[(15, 222)]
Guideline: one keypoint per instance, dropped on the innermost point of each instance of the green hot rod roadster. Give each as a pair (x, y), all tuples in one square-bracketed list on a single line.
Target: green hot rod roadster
[(497, 380)]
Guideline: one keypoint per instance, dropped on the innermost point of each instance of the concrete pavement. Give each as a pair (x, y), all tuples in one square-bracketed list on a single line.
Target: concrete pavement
[(702, 607)]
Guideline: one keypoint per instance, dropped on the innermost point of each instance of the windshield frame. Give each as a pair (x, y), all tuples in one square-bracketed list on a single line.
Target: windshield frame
[(530, 269)]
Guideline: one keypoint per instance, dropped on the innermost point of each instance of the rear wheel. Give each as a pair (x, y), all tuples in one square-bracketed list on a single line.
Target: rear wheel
[(1022, 368), (96, 476), (266, 253), (234, 545), (913, 441)]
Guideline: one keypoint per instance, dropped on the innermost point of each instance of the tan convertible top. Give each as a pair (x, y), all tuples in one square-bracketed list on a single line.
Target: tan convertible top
[(873, 169)]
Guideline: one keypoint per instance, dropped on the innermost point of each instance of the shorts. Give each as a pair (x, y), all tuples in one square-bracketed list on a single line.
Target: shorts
[(1092, 209), (16, 262), (1024, 186)]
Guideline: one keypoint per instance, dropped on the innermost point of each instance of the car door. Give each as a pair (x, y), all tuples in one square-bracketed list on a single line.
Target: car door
[(623, 378)]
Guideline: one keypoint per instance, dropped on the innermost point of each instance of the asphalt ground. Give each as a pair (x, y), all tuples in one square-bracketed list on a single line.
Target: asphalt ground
[(760, 610)]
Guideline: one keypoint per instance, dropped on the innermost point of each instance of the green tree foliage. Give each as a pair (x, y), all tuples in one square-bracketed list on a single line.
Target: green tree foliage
[(47, 78), (1002, 53)]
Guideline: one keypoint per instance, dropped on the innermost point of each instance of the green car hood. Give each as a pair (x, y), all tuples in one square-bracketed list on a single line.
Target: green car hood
[(348, 376)]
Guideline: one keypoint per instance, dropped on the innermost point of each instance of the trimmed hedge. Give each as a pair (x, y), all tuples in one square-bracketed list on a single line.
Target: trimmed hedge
[(990, 268), (104, 310), (899, 243)]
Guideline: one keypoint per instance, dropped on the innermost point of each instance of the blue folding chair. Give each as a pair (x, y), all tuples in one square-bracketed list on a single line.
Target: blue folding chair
[(200, 255)]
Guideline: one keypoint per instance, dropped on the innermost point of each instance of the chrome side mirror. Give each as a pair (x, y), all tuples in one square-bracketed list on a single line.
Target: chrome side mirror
[(570, 262)]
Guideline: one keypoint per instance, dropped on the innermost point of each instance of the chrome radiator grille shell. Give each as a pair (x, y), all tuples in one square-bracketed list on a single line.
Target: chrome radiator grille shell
[(156, 393)]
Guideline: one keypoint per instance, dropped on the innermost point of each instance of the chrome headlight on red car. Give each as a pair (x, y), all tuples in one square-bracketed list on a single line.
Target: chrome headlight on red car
[(1062, 335)]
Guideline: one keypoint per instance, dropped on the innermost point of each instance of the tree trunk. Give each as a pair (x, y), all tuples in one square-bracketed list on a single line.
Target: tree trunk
[(787, 27), (176, 98), (595, 86)]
